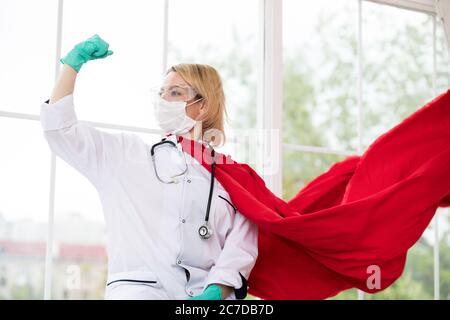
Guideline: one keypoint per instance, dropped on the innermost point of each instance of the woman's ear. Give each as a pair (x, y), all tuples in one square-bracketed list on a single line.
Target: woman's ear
[(203, 107)]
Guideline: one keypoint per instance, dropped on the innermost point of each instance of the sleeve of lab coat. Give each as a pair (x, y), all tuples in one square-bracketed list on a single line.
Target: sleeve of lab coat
[(90, 151), (237, 258)]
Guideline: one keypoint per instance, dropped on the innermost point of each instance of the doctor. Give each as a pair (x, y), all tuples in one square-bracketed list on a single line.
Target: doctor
[(154, 205)]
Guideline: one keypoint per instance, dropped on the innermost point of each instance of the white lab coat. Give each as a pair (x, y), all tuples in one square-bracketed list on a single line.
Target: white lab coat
[(154, 249)]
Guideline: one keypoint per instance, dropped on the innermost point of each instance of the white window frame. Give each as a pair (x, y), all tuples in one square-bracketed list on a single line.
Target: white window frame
[(427, 6), (270, 93)]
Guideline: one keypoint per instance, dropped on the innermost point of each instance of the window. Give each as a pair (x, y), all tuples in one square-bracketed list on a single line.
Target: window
[(28, 66), (405, 56), (24, 172), (227, 41), (344, 84), (333, 107), (134, 32)]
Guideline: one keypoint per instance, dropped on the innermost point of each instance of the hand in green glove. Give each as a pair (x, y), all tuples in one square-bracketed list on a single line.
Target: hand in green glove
[(90, 49), (212, 292)]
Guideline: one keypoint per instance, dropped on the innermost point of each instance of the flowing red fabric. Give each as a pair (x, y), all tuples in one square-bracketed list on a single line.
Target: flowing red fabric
[(353, 222)]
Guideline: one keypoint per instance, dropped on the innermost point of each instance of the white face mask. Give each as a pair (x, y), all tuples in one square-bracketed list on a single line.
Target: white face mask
[(171, 116)]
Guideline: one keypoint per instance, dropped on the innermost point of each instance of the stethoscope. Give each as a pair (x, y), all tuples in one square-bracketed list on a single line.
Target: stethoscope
[(205, 231)]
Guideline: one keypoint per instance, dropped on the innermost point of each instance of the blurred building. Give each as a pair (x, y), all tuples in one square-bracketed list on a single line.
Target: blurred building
[(79, 259)]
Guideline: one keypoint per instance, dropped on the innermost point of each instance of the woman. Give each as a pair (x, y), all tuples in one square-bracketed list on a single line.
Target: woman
[(154, 247)]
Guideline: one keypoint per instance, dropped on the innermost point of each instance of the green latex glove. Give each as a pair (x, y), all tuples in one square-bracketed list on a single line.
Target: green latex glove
[(90, 49), (212, 292)]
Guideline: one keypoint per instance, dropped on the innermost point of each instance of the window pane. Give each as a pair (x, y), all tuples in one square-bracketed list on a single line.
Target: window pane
[(80, 261), (299, 168), (24, 192), (79, 269), (116, 89), (320, 88), (223, 35), (397, 66), (350, 294), (27, 57), (444, 252), (442, 60), (398, 73), (416, 282)]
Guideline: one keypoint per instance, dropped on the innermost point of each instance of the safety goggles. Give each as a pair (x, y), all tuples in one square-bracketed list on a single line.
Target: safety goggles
[(174, 93)]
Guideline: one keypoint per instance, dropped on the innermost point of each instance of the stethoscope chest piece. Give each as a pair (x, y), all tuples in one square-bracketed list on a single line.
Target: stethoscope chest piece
[(205, 231)]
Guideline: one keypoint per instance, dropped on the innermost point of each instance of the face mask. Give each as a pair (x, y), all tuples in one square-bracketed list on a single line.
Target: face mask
[(172, 117)]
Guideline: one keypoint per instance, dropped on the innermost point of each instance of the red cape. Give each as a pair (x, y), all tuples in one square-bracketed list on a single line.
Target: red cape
[(363, 211)]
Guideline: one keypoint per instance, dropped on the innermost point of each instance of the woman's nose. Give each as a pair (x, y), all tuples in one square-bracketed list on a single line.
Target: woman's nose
[(164, 96)]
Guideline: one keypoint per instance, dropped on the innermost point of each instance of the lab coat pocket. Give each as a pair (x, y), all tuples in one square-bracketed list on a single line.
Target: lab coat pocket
[(148, 278), (224, 215)]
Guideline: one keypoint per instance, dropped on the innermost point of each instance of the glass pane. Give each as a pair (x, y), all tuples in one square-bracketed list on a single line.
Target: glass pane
[(398, 73), (116, 89), (417, 280), (225, 36), (350, 294), (442, 60), (299, 168), (80, 262), (27, 57), (320, 88), (398, 66), (79, 270), (24, 192), (444, 253)]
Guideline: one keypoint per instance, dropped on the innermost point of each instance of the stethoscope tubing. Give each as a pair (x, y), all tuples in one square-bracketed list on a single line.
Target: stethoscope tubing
[(205, 231)]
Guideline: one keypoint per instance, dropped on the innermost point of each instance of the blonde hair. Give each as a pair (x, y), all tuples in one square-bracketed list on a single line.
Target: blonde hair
[(208, 84)]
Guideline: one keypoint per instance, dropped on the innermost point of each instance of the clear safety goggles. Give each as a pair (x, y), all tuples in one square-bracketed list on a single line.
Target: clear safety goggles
[(173, 93)]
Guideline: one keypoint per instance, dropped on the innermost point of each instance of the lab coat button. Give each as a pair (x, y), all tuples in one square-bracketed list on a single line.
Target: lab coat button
[(183, 220), (191, 293), (178, 261), (189, 181)]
